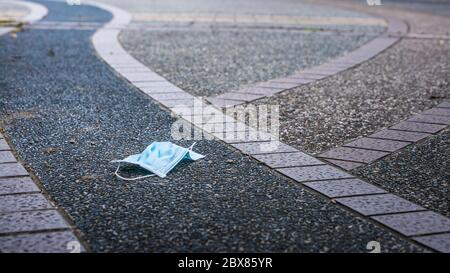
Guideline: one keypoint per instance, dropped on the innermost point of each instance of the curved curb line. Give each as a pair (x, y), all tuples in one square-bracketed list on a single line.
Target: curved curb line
[(395, 30), (37, 12), (362, 198)]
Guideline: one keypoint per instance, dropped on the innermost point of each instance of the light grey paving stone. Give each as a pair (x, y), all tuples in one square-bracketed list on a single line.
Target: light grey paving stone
[(257, 90), (171, 96), (300, 79), (445, 104), (31, 221), (288, 160), (224, 103), (418, 127), (46, 242), (309, 76), (7, 157), (353, 154), (400, 135), (437, 112), (378, 204), (239, 96), (344, 187), (346, 165), (430, 119), (154, 84), (415, 223), (288, 80), (314, 173), (249, 136), (278, 85), (254, 148), (17, 185), (12, 169), (3, 145), (161, 90), (177, 102), (438, 242), (23, 202), (377, 144)]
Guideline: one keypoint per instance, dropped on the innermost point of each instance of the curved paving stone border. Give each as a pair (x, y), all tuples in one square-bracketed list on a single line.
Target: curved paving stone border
[(368, 149), (29, 222), (37, 12), (395, 30), (400, 215)]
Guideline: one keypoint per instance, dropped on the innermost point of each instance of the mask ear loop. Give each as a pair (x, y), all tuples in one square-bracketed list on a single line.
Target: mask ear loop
[(192, 146), (130, 179)]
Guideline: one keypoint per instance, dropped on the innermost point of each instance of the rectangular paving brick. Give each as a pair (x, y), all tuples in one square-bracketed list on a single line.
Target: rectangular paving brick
[(17, 185), (254, 148), (309, 76), (171, 96), (3, 145), (418, 127), (377, 144), (239, 96), (344, 187), (431, 119), (31, 221), (378, 204), (258, 90), (288, 80), (12, 169), (353, 154), (46, 242), (154, 84), (278, 85), (438, 242), (161, 90), (445, 104), (416, 223), (346, 165), (23, 202), (7, 157), (437, 112), (314, 173), (225, 103), (400, 135), (288, 160)]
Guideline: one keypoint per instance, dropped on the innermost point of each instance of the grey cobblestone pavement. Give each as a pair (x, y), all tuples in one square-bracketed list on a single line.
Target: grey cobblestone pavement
[(67, 127)]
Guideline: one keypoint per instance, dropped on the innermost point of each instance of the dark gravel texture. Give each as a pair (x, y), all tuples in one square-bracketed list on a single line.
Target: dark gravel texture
[(406, 79), (419, 173), (217, 59), (71, 101)]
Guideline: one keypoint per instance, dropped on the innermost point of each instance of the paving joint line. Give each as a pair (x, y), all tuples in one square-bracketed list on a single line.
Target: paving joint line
[(106, 38)]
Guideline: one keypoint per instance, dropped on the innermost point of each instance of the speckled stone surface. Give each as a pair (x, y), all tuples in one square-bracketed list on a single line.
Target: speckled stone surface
[(31, 221), (361, 101), (209, 205), (419, 173), (49, 242), (217, 59)]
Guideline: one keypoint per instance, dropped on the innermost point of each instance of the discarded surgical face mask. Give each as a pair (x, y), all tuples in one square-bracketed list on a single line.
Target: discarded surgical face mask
[(159, 158)]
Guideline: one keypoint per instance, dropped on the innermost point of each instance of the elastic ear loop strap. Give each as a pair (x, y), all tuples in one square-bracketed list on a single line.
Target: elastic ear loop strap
[(141, 177), (130, 179)]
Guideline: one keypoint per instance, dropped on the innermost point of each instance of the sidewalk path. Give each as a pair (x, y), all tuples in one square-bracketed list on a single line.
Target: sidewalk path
[(67, 115)]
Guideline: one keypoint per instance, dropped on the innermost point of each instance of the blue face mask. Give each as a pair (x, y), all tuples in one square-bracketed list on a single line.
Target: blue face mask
[(159, 158)]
